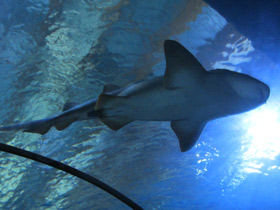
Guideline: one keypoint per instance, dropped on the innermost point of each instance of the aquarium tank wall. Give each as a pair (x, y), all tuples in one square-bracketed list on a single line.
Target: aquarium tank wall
[(57, 51)]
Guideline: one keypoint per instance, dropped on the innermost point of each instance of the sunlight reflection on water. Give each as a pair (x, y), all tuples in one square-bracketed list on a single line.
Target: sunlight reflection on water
[(262, 137)]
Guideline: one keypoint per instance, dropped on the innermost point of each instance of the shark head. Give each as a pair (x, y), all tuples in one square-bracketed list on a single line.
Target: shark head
[(251, 91), (250, 88)]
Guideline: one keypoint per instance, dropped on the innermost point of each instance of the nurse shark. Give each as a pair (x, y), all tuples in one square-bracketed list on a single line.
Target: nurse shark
[(186, 95)]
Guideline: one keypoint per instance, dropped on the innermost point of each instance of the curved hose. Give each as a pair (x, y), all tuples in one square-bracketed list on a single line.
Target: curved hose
[(70, 170)]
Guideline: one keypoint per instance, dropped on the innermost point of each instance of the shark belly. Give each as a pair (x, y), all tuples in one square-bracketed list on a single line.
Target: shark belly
[(160, 104), (187, 95)]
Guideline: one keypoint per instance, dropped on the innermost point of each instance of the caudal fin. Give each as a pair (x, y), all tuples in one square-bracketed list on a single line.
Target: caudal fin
[(112, 111), (38, 126)]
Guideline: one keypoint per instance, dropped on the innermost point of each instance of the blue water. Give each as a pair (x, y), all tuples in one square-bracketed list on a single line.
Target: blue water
[(56, 51)]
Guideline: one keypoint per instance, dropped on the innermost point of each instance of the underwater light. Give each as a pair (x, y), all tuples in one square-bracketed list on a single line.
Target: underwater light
[(263, 134)]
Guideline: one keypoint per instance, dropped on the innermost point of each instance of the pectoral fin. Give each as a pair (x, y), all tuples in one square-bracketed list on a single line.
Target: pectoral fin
[(188, 132)]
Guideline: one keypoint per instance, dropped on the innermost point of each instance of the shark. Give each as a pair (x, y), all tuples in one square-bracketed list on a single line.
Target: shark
[(186, 95)]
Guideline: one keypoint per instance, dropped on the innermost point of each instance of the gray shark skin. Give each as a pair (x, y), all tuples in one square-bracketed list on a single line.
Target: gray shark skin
[(60, 121), (187, 95), (71, 113)]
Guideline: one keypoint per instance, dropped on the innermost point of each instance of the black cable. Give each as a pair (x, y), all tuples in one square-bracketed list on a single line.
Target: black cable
[(70, 170)]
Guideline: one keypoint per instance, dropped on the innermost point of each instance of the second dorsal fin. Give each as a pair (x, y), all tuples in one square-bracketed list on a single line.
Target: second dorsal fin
[(107, 88), (69, 105)]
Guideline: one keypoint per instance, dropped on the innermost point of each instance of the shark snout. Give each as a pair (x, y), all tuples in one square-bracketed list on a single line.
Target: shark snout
[(265, 92)]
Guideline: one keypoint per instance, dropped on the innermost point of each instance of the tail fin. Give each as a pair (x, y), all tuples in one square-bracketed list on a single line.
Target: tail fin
[(38, 126), (111, 111), (40, 129)]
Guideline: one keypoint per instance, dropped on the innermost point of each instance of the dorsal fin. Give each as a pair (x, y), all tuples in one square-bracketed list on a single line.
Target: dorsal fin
[(69, 105), (182, 68), (107, 88)]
